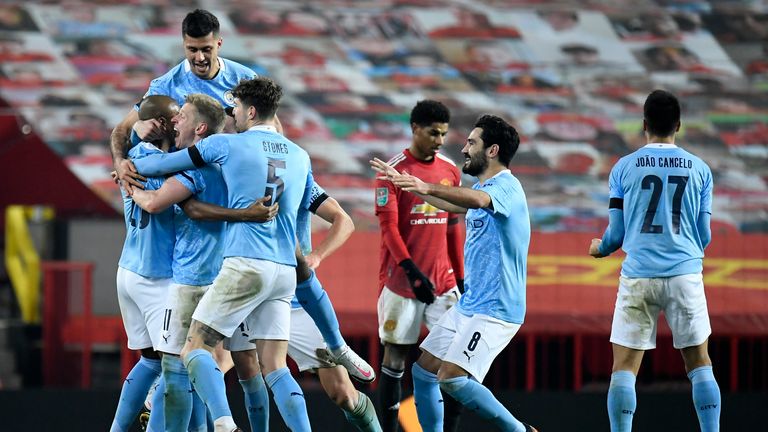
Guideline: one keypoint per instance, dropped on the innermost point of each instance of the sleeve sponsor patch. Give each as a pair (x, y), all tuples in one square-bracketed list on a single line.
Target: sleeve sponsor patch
[(382, 196)]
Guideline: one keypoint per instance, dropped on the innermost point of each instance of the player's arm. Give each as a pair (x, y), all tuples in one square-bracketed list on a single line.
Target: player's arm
[(118, 145), (340, 230), (705, 212), (613, 237), (256, 212), (154, 201), (456, 249), (166, 163)]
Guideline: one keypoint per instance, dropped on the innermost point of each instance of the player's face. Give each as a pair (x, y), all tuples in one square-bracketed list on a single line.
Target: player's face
[(429, 139), (203, 54), (184, 125), (475, 160), (240, 113)]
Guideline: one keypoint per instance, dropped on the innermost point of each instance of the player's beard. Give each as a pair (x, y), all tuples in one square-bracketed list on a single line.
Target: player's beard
[(475, 164)]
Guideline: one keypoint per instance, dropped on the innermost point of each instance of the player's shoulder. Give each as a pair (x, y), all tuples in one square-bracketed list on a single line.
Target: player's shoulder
[(142, 149), (444, 160), (398, 159), (171, 74), (239, 70)]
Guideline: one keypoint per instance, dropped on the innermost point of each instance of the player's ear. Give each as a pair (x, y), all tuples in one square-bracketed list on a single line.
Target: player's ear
[(679, 123), (492, 151), (201, 129), (645, 125)]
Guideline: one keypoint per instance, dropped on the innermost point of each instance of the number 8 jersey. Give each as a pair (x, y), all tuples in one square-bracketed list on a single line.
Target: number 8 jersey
[(664, 189)]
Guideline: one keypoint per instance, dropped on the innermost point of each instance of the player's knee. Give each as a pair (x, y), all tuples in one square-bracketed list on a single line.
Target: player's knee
[(246, 364), (342, 394)]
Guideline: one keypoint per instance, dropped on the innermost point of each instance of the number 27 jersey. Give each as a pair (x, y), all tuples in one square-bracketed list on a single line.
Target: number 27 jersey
[(664, 189)]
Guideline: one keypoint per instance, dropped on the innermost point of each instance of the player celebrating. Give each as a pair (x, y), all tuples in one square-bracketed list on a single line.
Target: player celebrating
[(421, 260), (144, 273), (660, 208), (459, 350)]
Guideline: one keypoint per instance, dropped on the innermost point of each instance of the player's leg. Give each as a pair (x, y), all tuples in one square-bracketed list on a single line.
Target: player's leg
[(246, 363), (632, 332), (622, 399), (688, 319), (452, 408), (316, 302), (241, 285), (307, 349), (477, 342), (132, 292), (399, 328), (272, 328), (430, 406)]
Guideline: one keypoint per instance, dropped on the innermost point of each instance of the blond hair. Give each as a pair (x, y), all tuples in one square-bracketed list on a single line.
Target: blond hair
[(209, 111)]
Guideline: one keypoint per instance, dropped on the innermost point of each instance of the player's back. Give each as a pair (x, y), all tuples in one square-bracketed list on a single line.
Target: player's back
[(149, 238), (261, 162), (199, 248), (664, 189)]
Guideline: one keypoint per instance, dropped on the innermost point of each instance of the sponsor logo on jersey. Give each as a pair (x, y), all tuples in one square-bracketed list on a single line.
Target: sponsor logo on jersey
[(429, 211), (382, 196)]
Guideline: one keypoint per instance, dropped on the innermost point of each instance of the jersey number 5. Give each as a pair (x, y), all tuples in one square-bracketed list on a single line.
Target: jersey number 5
[(656, 185), (275, 185)]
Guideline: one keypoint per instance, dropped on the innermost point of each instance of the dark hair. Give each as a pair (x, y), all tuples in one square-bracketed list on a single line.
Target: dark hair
[(158, 107), (429, 111), (662, 113), (261, 93), (498, 131), (199, 23)]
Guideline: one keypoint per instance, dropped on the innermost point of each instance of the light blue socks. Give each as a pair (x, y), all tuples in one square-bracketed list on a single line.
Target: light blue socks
[(289, 399), (256, 402), (208, 381), (135, 388), (622, 401), (429, 399), (315, 301), (706, 398), (477, 398)]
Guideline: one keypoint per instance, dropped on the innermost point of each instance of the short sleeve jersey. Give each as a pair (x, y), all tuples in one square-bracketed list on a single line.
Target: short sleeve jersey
[(148, 247), (198, 253), (496, 252), (423, 227), (181, 81), (664, 188)]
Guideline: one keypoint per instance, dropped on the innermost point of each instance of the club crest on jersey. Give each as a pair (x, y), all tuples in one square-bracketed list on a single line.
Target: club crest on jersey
[(229, 98), (382, 196), (446, 182)]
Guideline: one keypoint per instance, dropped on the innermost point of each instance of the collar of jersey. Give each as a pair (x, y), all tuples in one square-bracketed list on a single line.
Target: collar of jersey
[(660, 145), (268, 128), (222, 65)]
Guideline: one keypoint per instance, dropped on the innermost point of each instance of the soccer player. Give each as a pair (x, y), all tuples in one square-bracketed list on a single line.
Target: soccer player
[(203, 71), (144, 273), (460, 348), (257, 277), (421, 259), (197, 258), (659, 213)]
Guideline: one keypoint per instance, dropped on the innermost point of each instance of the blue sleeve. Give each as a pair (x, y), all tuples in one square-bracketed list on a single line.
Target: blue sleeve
[(705, 232), (192, 180), (613, 237), (502, 191), (706, 192), (214, 149), (135, 140), (317, 196), (307, 199), (614, 181), (164, 163)]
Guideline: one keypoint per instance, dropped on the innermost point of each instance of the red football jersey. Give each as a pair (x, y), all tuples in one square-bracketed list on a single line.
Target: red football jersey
[(422, 227)]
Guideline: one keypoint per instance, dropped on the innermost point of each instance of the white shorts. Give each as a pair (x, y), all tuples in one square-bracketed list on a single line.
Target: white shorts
[(142, 303), (306, 346), (258, 290), (640, 300), (400, 318), (179, 306), (469, 342)]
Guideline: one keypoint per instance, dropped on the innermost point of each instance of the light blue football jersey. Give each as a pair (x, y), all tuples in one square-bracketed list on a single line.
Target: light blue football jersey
[(199, 251), (496, 252), (181, 81), (149, 238), (304, 218), (254, 164), (664, 189)]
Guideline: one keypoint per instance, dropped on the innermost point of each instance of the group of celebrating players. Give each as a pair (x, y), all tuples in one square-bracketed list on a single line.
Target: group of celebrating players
[(217, 269)]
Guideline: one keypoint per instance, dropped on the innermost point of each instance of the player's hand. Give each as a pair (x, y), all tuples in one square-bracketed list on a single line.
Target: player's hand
[(313, 260), (128, 176), (149, 130), (115, 179), (420, 284), (402, 180), (594, 248), (258, 212)]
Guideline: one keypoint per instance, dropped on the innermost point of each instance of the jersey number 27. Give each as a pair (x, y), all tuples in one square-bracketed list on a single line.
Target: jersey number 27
[(656, 185)]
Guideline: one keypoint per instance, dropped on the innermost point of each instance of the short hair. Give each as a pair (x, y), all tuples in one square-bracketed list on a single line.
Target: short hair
[(209, 111), (430, 111), (662, 113), (200, 23), (262, 93), (498, 131), (158, 107)]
